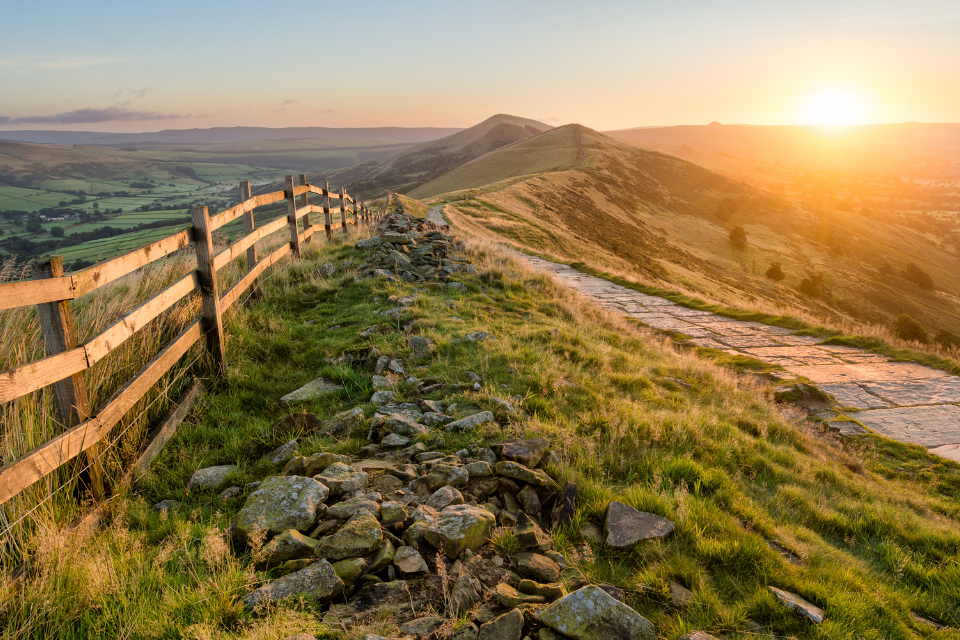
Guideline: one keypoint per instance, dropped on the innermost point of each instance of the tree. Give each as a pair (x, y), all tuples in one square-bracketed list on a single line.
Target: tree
[(57, 232), (916, 275), (776, 273), (33, 226), (947, 339), (907, 328), (812, 286), (738, 238), (726, 208), (886, 269)]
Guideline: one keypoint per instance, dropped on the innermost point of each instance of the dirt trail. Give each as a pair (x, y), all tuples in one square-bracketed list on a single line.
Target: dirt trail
[(902, 401)]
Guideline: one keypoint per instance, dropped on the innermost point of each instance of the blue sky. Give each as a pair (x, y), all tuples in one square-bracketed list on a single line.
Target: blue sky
[(128, 66)]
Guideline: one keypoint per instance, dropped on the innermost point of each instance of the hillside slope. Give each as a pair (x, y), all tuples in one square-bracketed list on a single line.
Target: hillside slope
[(665, 221), (408, 169)]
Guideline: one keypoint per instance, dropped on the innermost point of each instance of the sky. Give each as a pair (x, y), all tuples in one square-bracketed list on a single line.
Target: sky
[(104, 65)]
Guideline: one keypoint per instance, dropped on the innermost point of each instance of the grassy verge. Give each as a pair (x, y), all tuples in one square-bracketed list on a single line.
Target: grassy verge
[(639, 421)]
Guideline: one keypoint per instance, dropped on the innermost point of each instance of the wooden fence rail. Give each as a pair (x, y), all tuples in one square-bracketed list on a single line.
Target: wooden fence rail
[(61, 369)]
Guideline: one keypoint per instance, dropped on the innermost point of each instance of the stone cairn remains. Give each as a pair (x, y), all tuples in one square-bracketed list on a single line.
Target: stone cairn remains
[(445, 545)]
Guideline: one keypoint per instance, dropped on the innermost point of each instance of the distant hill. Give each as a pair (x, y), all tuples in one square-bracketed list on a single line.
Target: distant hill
[(413, 167), (666, 221), (228, 134)]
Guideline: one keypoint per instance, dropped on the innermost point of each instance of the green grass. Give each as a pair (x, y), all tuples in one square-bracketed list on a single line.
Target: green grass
[(876, 522)]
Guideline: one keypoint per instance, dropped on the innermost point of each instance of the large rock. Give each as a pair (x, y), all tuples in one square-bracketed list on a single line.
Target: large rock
[(798, 604), (465, 595), (319, 462), (420, 346), (348, 508), (350, 570), (409, 561), (402, 425), (343, 422), (523, 474), (526, 452), (281, 503), (537, 567), (510, 598), (442, 475), (509, 626), (313, 389), (470, 422), (530, 535), (626, 526), (318, 581), (342, 479), (460, 527), (566, 504), (211, 477), (592, 614), (443, 498), (289, 545), (358, 537), (294, 423), (283, 453)]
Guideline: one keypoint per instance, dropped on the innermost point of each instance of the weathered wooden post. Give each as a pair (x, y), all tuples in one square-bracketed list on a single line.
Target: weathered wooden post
[(326, 210), (69, 394), (343, 211), (304, 203), (209, 291), (356, 212), (292, 218), (248, 228)]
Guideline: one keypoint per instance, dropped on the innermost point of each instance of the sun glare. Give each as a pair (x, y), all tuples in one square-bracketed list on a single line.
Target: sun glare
[(833, 107)]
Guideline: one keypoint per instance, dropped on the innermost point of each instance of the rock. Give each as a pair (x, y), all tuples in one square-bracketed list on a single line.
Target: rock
[(549, 592), (573, 578), (381, 397), (565, 506), (397, 367), (358, 537), (394, 441), (465, 595), (299, 563), (478, 336), (301, 636), (402, 425), (537, 567), (381, 382), (409, 561), (460, 527), (421, 627), (592, 532), (341, 479), (327, 269), (294, 423), (313, 389), (166, 505), (283, 453), (523, 474), (479, 469), (295, 467), (546, 633), (697, 635), (386, 483), (798, 604), (531, 536), (509, 626), (319, 462), (470, 422), (281, 503), (529, 500), (591, 614), (318, 581), (350, 570), (525, 452), (447, 475), (510, 598), (383, 557), (343, 422), (349, 508), (382, 595), (626, 526), (230, 493), (289, 545), (392, 513), (443, 498), (211, 477), (680, 595), (468, 631), (420, 346)]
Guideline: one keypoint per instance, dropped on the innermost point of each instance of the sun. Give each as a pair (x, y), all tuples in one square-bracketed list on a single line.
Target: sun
[(833, 107)]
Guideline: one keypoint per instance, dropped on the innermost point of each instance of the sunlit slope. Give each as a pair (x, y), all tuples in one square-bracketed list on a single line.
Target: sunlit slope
[(554, 150), (408, 169), (659, 219)]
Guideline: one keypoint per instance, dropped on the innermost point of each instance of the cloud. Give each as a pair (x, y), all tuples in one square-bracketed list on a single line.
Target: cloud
[(37, 62), (133, 93), (89, 116), (290, 101)]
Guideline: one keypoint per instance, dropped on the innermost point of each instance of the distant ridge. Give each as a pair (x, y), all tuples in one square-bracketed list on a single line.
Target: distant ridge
[(227, 134)]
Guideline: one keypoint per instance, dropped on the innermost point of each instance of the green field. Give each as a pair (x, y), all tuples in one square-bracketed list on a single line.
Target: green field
[(20, 199), (97, 250)]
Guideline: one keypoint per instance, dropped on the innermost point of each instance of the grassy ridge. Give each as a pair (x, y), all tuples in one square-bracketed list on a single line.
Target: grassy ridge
[(874, 522)]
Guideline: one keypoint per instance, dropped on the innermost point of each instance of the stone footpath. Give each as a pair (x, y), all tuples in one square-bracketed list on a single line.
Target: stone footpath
[(902, 401)]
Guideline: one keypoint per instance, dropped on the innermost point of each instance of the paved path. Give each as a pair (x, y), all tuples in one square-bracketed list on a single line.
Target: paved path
[(903, 401)]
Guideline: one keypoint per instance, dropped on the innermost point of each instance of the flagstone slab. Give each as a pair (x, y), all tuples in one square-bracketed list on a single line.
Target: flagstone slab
[(930, 426), (835, 373), (917, 392), (851, 394)]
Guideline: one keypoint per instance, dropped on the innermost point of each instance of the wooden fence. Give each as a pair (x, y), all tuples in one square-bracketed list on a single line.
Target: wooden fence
[(51, 291)]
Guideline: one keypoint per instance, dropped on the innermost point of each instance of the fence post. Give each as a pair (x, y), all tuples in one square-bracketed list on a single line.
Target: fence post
[(248, 228), (209, 291), (292, 218), (343, 210), (356, 213), (69, 394), (326, 210), (305, 203)]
